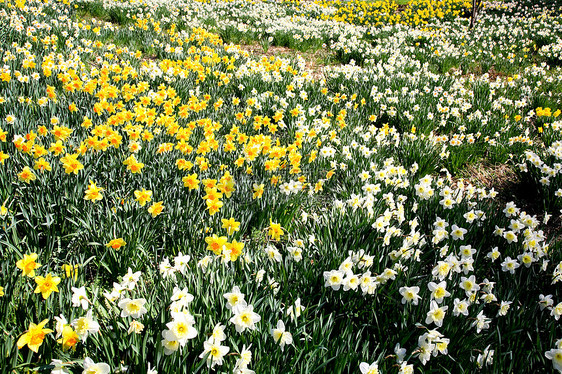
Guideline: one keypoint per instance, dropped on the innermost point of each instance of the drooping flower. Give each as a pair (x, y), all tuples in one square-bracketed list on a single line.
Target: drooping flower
[(281, 336), (70, 271), (244, 360), (79, 297), (136, 327)]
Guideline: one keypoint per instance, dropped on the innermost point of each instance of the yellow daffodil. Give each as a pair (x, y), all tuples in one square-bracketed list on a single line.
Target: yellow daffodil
[(93, 193), (235, 249), (26, 175), (191, 182), (46, 285), (156, 208), (69, 338), (215, 243), (230, 225), (116, 243), (275, 230), (34, 336), (258, 191), (143, 196), (3, 157), (28, 264)]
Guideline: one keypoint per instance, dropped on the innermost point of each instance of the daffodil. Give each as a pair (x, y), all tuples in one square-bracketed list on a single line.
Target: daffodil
[(555, 355), (85, 326), (27, 175), (28, 264), (143, 196), (3, 157), (69, 162), (169, 342), (234, 297), (244, 317), (369, 369), (93, 193), (182, 327), (34, 336), (116, 243), (436, 314), (191, 182), (156, 208), (216, 243), (69, 338), (234, 250), (275, 230), (230, 225), (410, 294), (42, 165), (214, 351), (134, 308), (258, 191), (80, 298), (214, 206), (90, 367), (281, 336), (47, 285)]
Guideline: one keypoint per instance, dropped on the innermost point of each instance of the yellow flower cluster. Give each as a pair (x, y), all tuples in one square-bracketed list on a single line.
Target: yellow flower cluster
[(390, 12), (547, 112)]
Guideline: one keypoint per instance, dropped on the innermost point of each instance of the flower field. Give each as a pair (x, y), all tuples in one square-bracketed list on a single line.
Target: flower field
[(239, 186)]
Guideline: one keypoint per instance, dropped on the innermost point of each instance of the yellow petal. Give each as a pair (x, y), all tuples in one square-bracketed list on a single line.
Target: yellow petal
[(23, 340)]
